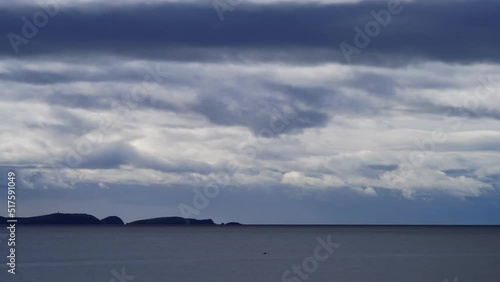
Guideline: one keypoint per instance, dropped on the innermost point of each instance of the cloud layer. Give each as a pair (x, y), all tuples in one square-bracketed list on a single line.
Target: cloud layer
[(462, 32), (166, 95)]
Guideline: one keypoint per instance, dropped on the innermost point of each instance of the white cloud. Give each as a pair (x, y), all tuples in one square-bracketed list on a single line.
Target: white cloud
[(299, 179), (364, 139)]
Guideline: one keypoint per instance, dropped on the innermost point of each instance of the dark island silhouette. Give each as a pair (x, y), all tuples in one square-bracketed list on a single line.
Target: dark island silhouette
[(172, 221), (231, 224), (86, 219), (55, 218), (112, 220)]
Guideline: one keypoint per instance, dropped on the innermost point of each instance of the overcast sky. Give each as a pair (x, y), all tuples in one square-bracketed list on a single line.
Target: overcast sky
[(261, 111)]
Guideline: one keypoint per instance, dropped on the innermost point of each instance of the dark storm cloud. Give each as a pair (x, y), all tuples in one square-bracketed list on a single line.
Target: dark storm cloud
[(379, 85), (73, 99), (71, 125), (454, 115), (259, 115), (34, 77), (463, 32), (374, 171), (311, 96), (339, 101), (117, 154), (77, 101), (52, 77), (460, 172)]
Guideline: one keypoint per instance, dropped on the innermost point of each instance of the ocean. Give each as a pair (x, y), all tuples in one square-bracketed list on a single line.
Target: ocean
[(254, 253)]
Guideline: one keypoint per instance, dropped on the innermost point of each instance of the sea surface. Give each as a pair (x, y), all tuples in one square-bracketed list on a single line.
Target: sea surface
[(254, 253)]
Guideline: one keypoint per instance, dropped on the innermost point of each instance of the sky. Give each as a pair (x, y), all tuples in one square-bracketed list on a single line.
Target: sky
[(263, 111)]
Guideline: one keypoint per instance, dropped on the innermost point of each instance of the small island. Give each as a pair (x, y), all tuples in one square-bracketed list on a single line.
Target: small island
[(112, 220), (172, 221), (231, 224)]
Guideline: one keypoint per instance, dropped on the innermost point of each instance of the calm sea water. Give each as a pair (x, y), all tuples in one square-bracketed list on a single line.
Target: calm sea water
[(257, 254)]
